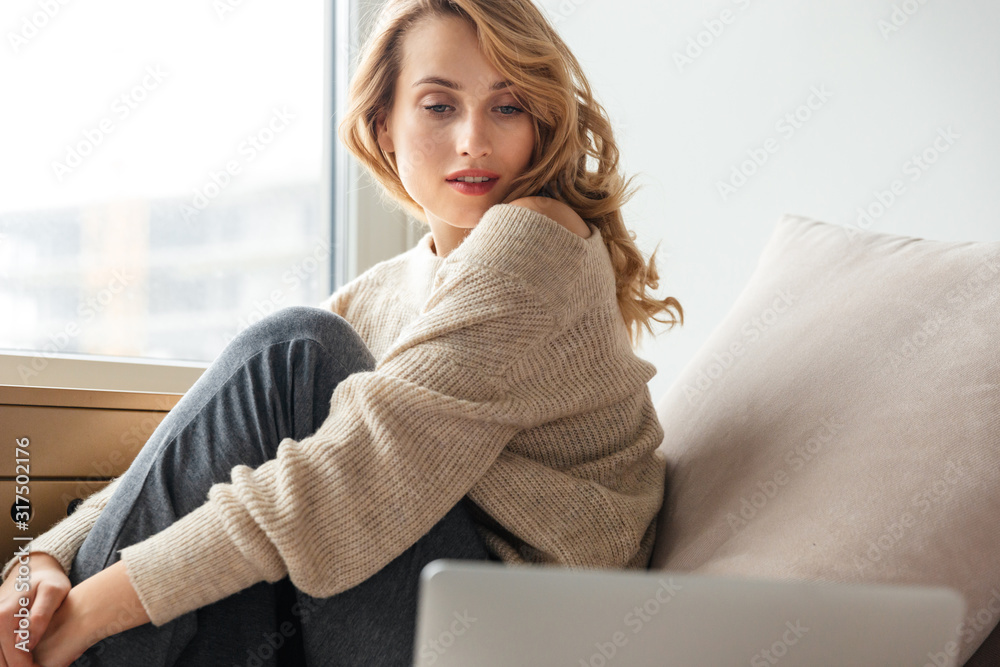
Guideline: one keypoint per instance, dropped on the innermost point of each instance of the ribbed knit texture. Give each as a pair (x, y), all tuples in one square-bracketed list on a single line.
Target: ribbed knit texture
[(63, 540), (504, 371)]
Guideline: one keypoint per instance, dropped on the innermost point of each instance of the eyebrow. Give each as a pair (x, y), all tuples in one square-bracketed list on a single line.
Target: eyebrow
[(441, 81)]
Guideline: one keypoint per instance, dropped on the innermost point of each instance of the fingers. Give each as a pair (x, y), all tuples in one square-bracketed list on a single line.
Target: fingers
[(15, 657), (25, 624), (10, 654), (48, 597), (28, 603)]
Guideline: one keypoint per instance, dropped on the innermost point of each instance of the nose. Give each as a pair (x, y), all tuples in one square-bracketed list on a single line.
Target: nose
[(474, 136)]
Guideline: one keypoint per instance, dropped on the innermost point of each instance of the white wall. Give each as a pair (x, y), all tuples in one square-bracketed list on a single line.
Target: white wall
[(684, 128)]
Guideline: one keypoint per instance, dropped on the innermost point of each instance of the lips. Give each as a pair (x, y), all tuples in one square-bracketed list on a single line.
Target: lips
[(475, 173), (466, 188)]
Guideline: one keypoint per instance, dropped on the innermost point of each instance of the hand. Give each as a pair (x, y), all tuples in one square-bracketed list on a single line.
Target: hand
[(68, 635), (47, 588), (98, 607)]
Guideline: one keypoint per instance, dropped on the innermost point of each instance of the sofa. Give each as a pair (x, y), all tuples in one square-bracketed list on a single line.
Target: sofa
[(842, 423)]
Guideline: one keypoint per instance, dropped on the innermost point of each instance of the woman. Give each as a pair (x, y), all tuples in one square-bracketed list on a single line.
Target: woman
[(475, 397)]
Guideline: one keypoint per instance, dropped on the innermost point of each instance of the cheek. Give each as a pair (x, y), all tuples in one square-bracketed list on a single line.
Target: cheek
[(523, 144), (422, 149)]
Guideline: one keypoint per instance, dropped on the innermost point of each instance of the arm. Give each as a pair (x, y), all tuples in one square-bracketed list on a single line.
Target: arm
[(102, 605), (63, 540), (402, 443)]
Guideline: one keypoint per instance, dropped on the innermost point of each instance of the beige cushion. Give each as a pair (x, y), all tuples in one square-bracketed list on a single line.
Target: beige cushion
[(843, 421)]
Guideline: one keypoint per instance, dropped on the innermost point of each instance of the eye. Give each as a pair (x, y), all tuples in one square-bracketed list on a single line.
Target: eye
[(512, 110)]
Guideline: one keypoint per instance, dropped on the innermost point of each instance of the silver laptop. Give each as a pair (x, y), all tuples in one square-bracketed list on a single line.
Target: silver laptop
[(485, 614)]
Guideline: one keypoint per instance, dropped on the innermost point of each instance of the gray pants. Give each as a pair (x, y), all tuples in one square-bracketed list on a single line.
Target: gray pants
[(274, 380)]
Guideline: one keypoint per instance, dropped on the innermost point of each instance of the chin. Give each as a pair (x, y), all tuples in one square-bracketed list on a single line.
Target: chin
[(469, 218)]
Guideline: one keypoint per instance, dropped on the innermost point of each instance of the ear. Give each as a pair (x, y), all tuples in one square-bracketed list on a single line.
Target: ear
[(384, 138)]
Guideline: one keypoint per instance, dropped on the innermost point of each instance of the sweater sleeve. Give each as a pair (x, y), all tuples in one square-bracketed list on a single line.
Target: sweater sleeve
[(402, 444), (63, 539)]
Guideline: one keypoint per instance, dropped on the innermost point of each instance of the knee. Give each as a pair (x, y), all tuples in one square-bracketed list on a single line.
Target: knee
[(305, 323)]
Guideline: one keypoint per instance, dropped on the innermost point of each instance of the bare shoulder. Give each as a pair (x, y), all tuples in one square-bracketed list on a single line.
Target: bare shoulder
[(558, 211)]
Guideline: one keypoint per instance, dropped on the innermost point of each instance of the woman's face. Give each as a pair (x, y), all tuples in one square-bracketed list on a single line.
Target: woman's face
[(436, 128)]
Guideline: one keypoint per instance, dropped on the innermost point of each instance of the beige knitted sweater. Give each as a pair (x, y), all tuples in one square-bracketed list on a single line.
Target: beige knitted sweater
[(504, 371)]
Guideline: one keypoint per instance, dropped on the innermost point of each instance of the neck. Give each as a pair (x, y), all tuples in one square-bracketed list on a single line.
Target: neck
[(446, 237)]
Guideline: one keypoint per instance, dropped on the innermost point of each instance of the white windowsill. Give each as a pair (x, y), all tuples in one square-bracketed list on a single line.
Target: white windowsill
[(97, 372)]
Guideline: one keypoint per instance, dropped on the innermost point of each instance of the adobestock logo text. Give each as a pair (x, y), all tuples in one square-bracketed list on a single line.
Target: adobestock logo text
[(121, 108)]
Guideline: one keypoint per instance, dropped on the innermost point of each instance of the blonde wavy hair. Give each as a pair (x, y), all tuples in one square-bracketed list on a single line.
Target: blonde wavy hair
[(570, 127)]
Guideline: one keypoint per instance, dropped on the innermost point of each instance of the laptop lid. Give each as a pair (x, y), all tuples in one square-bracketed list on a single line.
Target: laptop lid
[(486, 614)]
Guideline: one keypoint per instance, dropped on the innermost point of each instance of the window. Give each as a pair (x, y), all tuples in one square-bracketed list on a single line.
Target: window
[(162, 174)]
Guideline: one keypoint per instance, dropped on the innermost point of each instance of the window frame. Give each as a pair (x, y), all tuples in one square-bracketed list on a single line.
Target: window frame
[(355, 247)]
